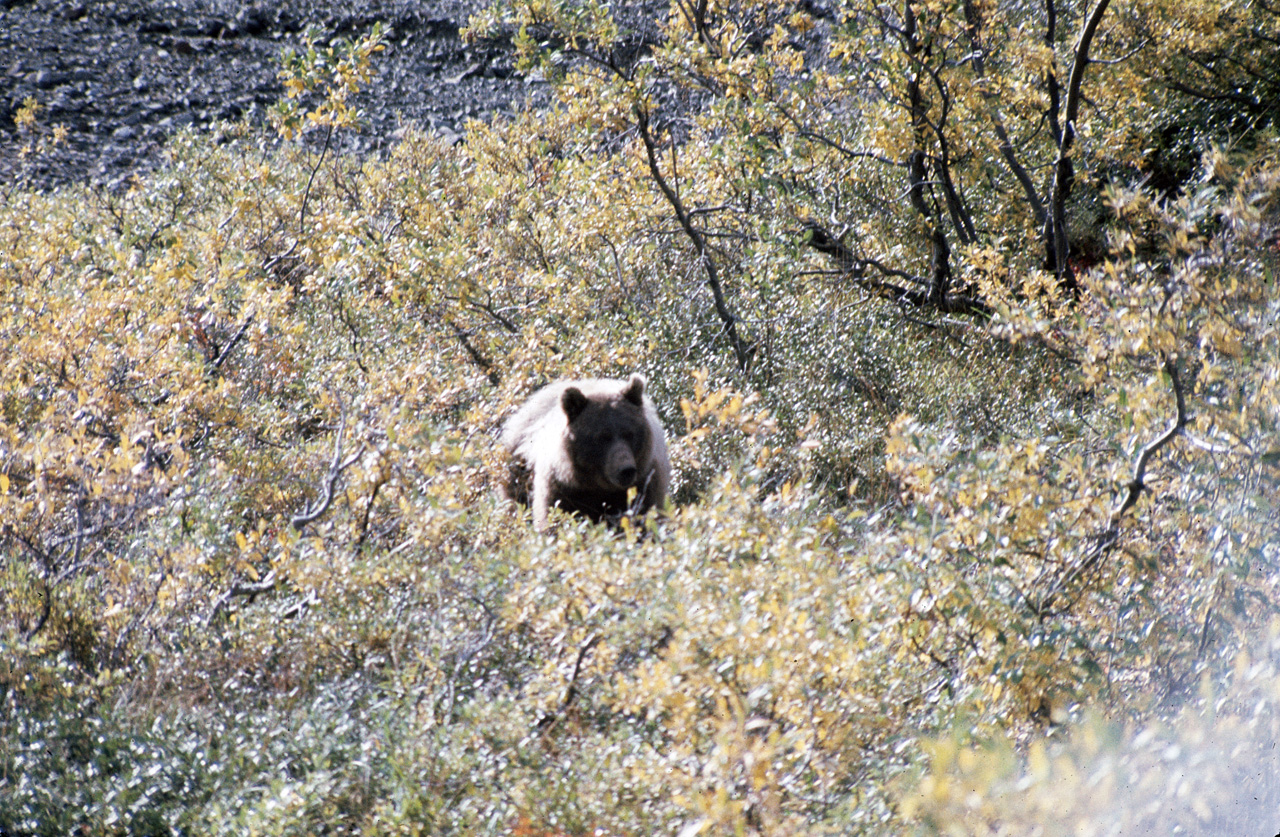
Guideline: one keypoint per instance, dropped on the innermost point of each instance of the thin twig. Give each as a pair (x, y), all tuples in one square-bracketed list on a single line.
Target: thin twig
[(336, 466), (1106, 540), (571, 693), (306, 195), (742, 349), (242, 588), (231, 344)]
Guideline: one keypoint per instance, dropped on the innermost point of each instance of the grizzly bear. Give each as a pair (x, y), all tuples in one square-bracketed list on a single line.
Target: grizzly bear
[(583, 445)]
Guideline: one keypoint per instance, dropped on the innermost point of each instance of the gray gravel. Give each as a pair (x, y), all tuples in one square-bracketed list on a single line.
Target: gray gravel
[(123, 75)]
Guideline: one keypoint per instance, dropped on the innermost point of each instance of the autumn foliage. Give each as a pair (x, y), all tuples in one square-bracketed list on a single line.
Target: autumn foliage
[(972, 532)]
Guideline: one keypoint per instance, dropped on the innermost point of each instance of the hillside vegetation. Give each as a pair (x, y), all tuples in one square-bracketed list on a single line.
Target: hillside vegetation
[(962, 318)]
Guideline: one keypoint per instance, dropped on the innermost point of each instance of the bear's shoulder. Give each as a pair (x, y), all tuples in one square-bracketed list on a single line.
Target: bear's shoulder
[(543, 409)]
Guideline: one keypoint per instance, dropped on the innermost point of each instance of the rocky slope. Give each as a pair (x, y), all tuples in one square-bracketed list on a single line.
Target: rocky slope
[(123, 75)]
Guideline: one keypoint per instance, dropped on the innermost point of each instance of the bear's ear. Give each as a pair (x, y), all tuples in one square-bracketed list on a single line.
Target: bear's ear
[(635, 391), (573, 402)]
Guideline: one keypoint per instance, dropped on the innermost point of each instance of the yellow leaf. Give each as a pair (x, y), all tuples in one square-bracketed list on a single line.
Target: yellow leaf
[(4, 483), (241, 541)]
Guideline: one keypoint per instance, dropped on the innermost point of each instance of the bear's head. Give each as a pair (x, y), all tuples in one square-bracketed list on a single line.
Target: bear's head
[(608, 437)]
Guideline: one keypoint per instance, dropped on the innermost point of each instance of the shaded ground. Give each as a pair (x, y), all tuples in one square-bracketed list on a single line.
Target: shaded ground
[(123, 75)]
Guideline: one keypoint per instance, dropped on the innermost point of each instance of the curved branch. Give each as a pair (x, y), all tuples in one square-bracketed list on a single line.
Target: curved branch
[(336, 466), (855, 267), (1063, 172), (742, 350), (1105, 541), (1138, 483)]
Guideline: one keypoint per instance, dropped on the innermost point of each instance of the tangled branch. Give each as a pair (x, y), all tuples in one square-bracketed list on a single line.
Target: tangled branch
[(336, 466), (242, 588), (856, 267), (742, 349), (1105, 541)]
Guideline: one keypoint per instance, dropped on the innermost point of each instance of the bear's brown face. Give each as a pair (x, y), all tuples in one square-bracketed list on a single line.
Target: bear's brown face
[(607, 439), (607, 459)]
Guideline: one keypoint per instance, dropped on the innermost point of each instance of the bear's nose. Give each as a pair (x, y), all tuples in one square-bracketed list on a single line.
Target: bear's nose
[(627, 476)]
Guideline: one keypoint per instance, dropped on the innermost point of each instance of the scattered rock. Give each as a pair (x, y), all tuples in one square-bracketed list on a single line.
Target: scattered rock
[(119, 73), (44, 79)]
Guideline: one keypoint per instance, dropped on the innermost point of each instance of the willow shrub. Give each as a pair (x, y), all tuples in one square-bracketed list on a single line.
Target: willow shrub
[(257, 578)]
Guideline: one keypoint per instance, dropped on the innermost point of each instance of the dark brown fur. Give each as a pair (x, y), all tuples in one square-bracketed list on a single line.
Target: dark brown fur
[(583, 445)]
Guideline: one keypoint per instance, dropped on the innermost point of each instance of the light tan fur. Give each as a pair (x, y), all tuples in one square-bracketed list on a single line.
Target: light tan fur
[(586, 462)]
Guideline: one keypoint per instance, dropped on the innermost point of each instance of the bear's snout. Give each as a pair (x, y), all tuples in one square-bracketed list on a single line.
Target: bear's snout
[(621, 470)]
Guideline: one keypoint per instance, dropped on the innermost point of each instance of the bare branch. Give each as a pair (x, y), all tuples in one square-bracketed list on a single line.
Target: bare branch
[(231, 344), (918, 160), (830, 143), (477, 357), (1110, 62), (855, 268), (1051, 79), (974, 20), (1144, 456), (742, 350), (242, 588), (571, 692), (1105, 541), (695, 14), (117, 650), (1078, 65), (306, 195), (336, 466), (1056, 240)]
